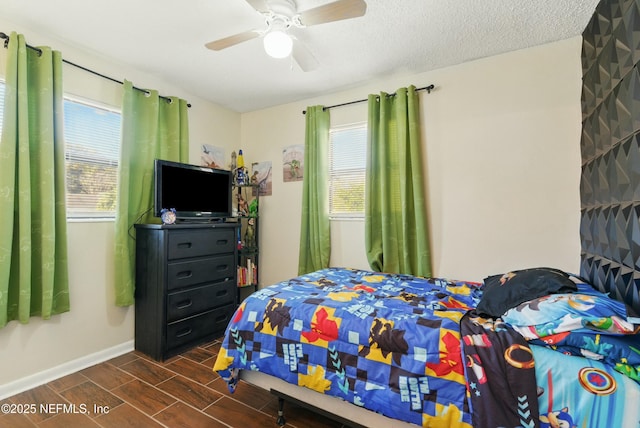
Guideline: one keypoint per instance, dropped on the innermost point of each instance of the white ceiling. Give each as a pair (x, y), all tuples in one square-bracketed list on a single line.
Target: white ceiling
[(166, 38)]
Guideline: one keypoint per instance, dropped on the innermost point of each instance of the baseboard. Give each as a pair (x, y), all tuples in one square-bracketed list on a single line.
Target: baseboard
[(40, 378)]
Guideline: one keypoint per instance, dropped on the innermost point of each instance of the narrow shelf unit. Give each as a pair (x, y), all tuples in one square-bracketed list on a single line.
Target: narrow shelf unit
[(246, 214)]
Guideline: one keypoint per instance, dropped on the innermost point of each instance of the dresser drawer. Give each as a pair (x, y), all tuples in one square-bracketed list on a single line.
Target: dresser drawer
[(200, 271), (183, 304), (202, 242), (199, 326)]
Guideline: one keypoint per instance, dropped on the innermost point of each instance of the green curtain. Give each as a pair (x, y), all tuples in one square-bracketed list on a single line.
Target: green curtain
[(396, 233), (34, 276), (153, 127), (315, 237)]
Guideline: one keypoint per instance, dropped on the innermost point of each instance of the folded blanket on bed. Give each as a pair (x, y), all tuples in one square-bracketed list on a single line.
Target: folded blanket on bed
[(587, 323), (500, 373), (514, 383)]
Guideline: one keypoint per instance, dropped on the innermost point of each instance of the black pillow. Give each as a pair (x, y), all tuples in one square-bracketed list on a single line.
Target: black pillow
[(503, 292)]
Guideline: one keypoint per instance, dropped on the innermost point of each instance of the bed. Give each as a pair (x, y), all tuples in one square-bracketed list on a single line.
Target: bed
[(432, 352)]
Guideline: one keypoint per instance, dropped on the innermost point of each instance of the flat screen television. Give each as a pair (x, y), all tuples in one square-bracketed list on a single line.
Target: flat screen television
[(197, 193)]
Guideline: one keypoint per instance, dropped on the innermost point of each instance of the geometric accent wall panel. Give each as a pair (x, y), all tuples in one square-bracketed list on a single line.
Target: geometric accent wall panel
[(610, 150)]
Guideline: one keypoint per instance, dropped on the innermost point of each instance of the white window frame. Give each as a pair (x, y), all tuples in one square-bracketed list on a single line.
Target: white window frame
[(90, 216)]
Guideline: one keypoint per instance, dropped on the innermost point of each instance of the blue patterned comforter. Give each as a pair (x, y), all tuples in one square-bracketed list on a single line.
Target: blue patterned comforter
[(389, 343)]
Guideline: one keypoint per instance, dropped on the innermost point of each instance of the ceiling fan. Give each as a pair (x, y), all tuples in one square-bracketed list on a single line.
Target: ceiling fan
[(280, 16)]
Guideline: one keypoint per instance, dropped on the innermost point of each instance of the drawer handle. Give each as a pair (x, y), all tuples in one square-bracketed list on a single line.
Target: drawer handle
[(222, 268), (222, 318), (184, 304), (184, 274), (183, 333), (185, 245), (222, 293), (222, 242)]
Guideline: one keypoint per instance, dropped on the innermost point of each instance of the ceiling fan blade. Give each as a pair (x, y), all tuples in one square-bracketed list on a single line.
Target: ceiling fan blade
[(336, 11), (303, 57), (220, 44), (259, 5)]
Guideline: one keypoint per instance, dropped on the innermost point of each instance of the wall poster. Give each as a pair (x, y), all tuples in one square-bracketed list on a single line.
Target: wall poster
[(261, 175), (293, 163)]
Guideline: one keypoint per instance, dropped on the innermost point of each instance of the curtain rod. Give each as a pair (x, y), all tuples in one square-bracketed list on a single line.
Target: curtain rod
[(424, 88), (6, 42)]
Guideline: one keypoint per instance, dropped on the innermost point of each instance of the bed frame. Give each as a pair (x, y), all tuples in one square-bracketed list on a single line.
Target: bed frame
[(326, 405)]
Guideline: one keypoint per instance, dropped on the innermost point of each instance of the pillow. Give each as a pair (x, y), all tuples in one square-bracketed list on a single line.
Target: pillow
[(503, 292)]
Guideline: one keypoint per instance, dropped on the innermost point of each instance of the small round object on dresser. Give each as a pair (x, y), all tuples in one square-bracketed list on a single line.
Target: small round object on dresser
[(168, 216)]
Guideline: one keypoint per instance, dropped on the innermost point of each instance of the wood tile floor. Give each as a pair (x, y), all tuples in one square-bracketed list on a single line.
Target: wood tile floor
[(132, 390)]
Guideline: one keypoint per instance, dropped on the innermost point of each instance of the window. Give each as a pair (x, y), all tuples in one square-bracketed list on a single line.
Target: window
[(92, 137), (347, 165)]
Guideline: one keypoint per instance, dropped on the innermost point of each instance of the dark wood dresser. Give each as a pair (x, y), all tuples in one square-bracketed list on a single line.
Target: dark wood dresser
[(185, 285)]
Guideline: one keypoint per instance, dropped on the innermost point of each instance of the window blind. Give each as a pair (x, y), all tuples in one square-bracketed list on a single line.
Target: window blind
[(347, 165), (92, 140)]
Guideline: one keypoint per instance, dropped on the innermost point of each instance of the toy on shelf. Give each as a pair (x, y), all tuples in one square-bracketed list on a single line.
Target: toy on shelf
[(250, 234), (240, 174), (253, 208), (243, 207)]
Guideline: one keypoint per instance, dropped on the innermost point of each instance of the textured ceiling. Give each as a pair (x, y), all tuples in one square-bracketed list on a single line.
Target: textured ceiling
[(166, 38)]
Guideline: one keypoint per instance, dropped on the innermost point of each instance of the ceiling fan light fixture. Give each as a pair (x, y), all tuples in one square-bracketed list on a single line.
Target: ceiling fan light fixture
[(278, 44)]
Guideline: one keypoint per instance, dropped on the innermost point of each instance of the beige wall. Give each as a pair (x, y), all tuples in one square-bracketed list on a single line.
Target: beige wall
[(94, 328), (501, 138)]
